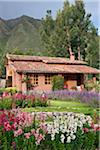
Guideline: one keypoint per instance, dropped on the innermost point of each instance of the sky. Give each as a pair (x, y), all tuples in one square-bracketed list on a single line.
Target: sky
[(37, 9)]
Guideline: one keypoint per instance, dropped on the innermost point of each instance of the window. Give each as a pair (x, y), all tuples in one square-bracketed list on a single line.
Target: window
[(35, 79), (47, 79)]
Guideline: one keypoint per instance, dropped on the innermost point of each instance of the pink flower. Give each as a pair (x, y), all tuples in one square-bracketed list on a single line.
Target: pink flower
[(18, 132), (5, 94), (36, 135), (85, 130), (13, 144), (24, 119), (39, 139), (92, 125), (7, 126), (43, 127), (27, 135), (42, 117), (14, 126), (96, 127), (33, 131)]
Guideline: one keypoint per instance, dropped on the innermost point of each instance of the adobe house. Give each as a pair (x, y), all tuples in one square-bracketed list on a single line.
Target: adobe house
[(40, 70)]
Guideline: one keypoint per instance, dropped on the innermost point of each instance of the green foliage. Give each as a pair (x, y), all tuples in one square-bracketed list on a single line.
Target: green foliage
[(57, 83), (18, 103), (11, 90), (72, 30), (30, 103), (90, 85), (6, 103), (84, 142), (90, 137), (41, 102), (48, 25), (2, 90)]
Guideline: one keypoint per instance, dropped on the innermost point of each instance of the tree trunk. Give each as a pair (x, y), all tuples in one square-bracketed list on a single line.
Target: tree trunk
[(70, 50), (79, 53)]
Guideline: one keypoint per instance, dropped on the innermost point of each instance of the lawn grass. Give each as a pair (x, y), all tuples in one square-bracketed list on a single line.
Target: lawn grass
[(63, 106)]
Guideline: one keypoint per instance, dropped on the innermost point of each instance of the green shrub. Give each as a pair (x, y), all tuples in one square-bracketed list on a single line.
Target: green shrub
[(2, 90), (57, 83), (24, 103), (30, 103), (18, 103), (41, 103), (89, 85), (11, 90), (6, 103)]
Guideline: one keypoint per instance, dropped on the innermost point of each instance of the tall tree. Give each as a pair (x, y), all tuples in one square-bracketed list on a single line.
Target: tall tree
[(71, 31), (46, 29)]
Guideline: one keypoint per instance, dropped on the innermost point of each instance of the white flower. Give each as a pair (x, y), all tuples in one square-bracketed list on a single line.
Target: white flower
[(62, 138), (73, 137), (80, 124), (52, 137), (68, 139), (67, 131)]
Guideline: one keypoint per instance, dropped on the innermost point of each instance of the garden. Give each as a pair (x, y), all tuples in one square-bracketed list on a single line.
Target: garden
[(59, 120)]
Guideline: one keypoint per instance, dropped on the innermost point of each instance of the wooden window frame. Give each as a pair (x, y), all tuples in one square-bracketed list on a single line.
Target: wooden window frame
[(47, 79), (35, 79)]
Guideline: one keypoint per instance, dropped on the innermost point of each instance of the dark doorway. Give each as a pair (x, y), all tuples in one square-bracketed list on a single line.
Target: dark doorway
[(9, 81), (79, 79)]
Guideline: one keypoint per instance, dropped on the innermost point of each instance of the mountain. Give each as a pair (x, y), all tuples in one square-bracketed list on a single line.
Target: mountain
[(19, 36), (20, 33)]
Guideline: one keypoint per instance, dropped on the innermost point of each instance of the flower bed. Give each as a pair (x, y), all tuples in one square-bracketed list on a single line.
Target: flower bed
[(21, 100), (57, 131), (31, 100), (91, 98)]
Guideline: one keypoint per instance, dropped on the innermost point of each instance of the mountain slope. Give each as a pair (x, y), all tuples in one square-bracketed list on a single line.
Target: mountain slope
[(21, 33)]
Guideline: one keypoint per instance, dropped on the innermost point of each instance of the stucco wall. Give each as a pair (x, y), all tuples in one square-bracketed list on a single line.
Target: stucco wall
[(41, 84), (18, 81)]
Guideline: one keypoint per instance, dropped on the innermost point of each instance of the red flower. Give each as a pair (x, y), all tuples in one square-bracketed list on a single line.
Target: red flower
[(7, 126), (85, 130), (13, 144), (92, 125)]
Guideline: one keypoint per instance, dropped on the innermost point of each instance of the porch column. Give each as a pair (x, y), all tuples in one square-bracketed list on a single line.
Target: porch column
[(13, 79), (18, 81), (24, 86), (94, 78)]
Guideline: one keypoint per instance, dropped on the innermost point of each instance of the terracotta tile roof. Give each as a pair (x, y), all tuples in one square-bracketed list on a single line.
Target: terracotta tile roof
[(40, 67), (49, 60), (42, 64)]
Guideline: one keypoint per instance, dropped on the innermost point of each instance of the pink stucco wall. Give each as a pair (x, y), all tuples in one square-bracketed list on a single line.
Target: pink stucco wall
[(24, 88), (18, 82), (41, 84)]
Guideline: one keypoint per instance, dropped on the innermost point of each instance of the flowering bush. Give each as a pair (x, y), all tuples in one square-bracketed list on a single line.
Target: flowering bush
[(91, 98), (42, 100), (38, 131), (21, 100)]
